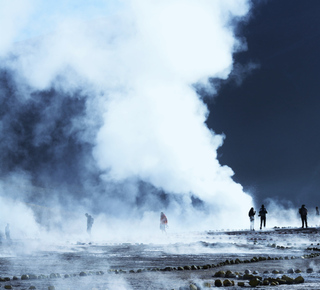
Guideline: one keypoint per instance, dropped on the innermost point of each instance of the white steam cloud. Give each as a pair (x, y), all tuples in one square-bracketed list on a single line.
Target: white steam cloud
[(136, 63)]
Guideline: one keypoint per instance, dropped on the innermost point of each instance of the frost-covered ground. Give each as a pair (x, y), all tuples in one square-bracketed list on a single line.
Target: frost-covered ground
[(155, 265)]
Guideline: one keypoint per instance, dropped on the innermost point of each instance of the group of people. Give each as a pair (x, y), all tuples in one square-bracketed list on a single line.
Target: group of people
[(263, 212), (90, 220)]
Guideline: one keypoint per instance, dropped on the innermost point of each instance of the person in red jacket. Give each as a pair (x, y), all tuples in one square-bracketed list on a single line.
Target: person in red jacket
[(163, 222)]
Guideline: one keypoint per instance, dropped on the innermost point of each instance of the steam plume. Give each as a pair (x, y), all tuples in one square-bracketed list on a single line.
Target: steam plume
[(101, 106)]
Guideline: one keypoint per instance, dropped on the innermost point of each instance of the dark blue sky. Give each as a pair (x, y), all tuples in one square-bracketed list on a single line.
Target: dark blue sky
[(272, 120)]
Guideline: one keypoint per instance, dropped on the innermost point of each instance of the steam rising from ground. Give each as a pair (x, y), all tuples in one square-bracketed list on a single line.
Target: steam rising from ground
[(105, 110)]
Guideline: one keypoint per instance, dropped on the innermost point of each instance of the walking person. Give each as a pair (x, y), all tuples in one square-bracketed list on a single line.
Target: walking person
[(90, 221), (262, 214), (7, 232), (163, 222), (251, 216), (303, 214)]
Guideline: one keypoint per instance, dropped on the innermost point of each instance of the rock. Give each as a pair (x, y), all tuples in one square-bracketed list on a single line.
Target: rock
[(266, 272), (66, 276), (290, 271), (218, 283), (82, 274), (32, 287), (220, 274), (241, 284), (25, 277), (15, 278), (180, 269), (227, 283), (248, 272), (255, 272), (131, 271), (297, 271), (281, 281), (53, 275), (207, 285), (254, 282), (275, 272), (33, 276), (288, 280), (299, 279), (187, 267), (8, 287), (265, 282), (51, 288), (274, 284), (193, 267), (6, 278), (309, 270), (193, 287)]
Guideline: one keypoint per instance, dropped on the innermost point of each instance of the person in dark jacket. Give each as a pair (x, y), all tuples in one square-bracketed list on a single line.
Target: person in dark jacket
[(303, 213), (90, 221), (251, 216), (262, 214), (163, 222)]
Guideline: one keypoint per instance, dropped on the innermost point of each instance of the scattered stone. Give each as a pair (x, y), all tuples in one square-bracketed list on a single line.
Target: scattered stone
[(297, 271), (66, 276), (25, 277), (241, 284), (6, 278), (248, 272), (220, 274), (227, 283), (254, 282), (51, 288), (218, 283), (32, 287), (265, 282), (275, 272), (290, 271), (8, 287), (207, 285), (53, 275), (15, 278), (82, 274), (193, 287), (299, 279), (309, 270)]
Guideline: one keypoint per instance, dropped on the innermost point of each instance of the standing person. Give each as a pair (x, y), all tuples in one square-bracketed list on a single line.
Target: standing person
[(303, 213), (163, 222), (262, 215), (90, 221), (251, 216), (317, 211), (7, 232)]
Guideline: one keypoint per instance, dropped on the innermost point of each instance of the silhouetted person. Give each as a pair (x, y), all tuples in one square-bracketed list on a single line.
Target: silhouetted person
[(251, 216), (317, 211), (262, 215), (7, 232), (163, 222), (303, 213), (89, 223)]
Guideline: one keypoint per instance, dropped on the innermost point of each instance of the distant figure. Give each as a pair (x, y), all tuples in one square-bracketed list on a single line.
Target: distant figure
[(303, 213), (7, 232), (163, 222), (90, 221), (251, 216), (262, 215), (317, 211)]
